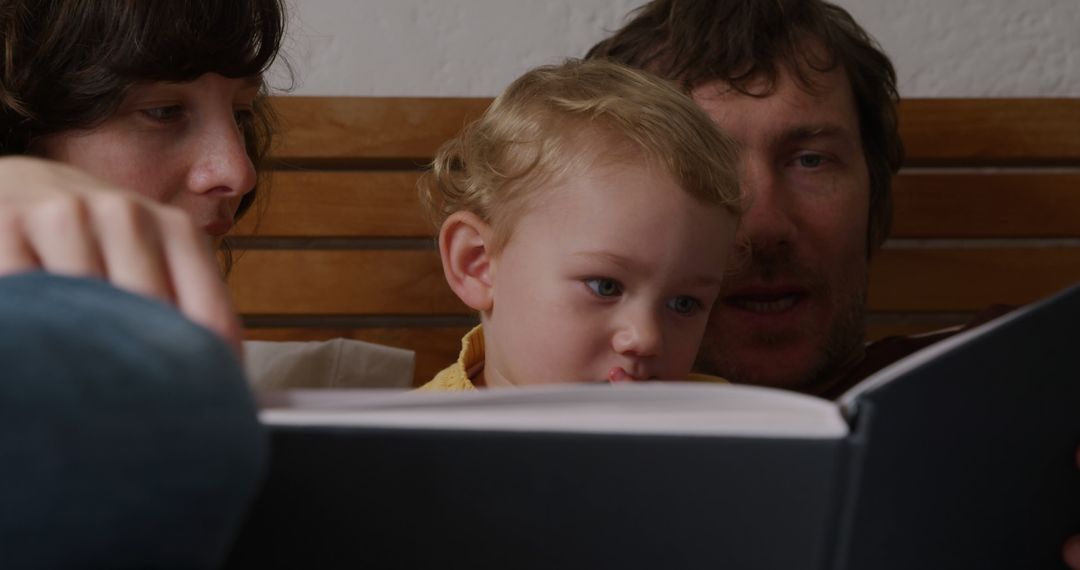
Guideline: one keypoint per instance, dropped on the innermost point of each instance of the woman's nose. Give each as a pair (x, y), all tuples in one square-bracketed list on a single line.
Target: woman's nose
[(220, 159)]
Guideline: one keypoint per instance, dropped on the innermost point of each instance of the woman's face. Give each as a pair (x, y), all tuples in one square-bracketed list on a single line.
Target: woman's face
[(176, 143)]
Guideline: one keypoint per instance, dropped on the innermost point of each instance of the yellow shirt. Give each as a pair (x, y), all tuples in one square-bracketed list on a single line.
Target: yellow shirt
[(458, 376)]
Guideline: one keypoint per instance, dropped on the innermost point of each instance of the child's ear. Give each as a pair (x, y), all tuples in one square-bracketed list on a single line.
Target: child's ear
[(466, 258)]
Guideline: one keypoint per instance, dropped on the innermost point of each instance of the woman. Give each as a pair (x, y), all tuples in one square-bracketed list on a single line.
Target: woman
[(163, 98), (129, 437)]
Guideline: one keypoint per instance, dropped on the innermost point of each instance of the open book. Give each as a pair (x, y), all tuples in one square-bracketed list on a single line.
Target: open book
[(960, 456)]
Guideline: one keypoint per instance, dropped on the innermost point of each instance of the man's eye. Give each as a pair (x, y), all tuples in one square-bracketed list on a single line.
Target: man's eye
[(684, 305), (163, 114), (810, 160), (604, 287)]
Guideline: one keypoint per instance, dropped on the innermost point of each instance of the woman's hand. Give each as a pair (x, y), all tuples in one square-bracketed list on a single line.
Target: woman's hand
[(60, 220)]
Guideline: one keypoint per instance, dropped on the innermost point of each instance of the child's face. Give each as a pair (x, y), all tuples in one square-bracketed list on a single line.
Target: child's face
[(614, 268)]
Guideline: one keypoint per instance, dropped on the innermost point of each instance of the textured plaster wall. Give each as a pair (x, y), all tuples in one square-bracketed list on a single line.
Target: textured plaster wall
[(941, 48)]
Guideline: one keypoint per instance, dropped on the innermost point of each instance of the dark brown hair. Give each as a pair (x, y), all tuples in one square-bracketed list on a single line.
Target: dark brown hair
[(743, 42), (67, 64)]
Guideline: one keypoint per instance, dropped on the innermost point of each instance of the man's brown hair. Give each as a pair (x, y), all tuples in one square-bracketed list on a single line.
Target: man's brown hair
[(743, 42)]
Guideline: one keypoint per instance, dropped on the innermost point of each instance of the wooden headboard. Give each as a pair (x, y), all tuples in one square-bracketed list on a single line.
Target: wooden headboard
[(987, 211)]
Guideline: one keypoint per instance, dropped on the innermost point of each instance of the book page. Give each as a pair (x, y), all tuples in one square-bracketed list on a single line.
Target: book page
[(646, 408)]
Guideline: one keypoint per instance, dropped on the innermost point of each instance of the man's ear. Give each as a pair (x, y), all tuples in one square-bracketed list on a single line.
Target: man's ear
[(464, 244)]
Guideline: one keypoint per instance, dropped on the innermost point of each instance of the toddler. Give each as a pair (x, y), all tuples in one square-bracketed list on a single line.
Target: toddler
[(587, 216)]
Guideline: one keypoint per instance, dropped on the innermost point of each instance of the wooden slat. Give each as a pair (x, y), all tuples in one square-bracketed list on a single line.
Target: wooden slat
[(356, 203), (991, 131), (991, 205), (348, 129), (963, 279), (347, 203), (935, 131), (435, 347), (321, 282), (318, 282)]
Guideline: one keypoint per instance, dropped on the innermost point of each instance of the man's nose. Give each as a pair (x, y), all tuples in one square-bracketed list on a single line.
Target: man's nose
[(769, 220), (220, 161)]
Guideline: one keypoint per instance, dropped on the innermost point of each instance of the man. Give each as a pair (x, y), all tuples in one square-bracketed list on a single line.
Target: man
[(811, 98)]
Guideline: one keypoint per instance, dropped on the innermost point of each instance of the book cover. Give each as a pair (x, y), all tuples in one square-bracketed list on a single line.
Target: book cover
[(961, 456)]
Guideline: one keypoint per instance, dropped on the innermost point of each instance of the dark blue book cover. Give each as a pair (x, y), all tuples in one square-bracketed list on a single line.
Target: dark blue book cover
[(961, 456)]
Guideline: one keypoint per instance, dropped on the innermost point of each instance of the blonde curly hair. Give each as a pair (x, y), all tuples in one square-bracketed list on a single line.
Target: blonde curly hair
[(547, 123)]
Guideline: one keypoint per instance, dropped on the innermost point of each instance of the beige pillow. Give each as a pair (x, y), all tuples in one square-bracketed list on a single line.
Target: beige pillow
[(337, 363)]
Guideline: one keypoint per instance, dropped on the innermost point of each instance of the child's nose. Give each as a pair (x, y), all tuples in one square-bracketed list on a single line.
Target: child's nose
[(638, 336)]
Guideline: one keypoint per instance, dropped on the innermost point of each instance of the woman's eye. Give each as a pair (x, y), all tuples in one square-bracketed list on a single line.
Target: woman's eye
[(163, 114), (684, 305), (810, 160), (604, 287)]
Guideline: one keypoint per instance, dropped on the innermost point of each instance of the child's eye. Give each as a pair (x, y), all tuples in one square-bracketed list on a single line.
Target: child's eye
[(604, 287), (164, 114), (684, 305)]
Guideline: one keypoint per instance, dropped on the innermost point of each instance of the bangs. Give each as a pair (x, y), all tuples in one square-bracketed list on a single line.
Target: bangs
[(179, 40)]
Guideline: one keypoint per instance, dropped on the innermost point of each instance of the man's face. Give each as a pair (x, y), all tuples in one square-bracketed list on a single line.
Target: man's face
[(791, 314)]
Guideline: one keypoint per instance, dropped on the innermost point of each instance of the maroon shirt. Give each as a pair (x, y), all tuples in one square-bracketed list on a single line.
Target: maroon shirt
[(888, 350)]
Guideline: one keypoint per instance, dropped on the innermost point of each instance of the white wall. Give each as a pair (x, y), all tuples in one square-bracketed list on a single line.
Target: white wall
[(942, 48)]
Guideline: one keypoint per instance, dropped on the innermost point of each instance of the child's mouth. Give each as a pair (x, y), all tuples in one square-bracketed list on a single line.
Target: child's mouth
[(617, 374)]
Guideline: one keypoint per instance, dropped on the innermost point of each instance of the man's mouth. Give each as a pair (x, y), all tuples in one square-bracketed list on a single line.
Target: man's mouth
[(766, 300), (764, 305)]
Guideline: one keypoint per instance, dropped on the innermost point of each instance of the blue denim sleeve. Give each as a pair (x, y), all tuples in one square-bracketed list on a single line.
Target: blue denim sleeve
[(128, 436)]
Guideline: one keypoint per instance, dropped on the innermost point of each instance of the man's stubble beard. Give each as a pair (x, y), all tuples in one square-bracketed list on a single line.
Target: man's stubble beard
[(840, 347)]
